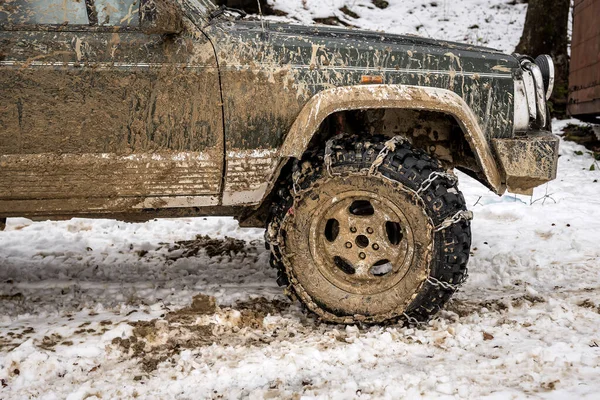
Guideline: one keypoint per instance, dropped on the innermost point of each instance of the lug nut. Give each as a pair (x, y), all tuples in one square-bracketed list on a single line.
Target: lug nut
[(353, 230), (375, 246), (362, 256), (348, 245), (369, 230)]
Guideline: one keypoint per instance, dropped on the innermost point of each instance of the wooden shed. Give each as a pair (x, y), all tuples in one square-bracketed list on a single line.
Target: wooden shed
[(584, 74)]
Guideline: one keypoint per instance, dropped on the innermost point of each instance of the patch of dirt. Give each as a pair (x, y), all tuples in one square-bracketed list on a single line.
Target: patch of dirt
[(201, 324), (550, 385), (253, 312), (583, 135), (153, 342), (212, 246), (526, 299), (82, 331), (14, 339), (201, 305), (465, 308), (587, 303), (7, 343), (335, 21), (382, 4), (252, 6), (349, 12), (13, 297), (268, 9), (48, 342)]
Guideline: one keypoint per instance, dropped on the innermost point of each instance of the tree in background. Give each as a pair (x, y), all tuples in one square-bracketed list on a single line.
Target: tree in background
[(546, 32)]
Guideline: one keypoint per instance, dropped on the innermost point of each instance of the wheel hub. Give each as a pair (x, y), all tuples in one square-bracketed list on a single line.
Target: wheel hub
[(363, 243)]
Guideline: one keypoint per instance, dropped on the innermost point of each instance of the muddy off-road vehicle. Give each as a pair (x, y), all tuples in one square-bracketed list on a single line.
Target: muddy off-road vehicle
[(342, 143)]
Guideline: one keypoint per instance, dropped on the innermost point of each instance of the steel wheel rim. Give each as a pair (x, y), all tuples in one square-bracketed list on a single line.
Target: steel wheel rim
[(373, 259)]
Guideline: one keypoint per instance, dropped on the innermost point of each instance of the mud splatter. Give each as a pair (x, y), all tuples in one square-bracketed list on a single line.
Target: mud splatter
[(50, 341), (201, 305), (212, 246), (464, 308), (587, 303), (253, 312), (201, 324)]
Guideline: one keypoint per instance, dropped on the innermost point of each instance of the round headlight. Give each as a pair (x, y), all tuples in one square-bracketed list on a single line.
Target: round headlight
[(546, 65)]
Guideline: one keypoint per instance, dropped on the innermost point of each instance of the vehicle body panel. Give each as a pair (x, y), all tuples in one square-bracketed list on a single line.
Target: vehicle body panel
[(113, 121), (109, 113), (270, 71)]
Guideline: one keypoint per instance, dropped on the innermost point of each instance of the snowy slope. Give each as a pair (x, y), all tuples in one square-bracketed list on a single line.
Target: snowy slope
[(491, 23)]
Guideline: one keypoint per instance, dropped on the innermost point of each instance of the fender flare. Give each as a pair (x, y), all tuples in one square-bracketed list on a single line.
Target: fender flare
[(345, 98)]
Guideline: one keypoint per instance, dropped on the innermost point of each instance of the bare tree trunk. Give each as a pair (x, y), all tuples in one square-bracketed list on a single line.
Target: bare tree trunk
[(545, 32)]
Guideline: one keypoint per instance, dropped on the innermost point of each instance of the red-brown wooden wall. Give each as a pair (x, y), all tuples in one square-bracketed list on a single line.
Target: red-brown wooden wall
[(584, 74)]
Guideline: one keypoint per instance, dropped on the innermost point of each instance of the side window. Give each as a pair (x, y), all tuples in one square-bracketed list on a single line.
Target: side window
[(117, 12), (72, 12), (23, 12)]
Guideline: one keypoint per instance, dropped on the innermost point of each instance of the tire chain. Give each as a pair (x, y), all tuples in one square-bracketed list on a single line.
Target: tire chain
[(301, 184)]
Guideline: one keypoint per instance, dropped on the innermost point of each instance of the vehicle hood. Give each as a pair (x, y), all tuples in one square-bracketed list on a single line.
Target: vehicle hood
[(325, 46), (337, 33)]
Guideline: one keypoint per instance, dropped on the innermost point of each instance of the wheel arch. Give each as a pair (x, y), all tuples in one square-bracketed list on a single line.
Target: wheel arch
[(326, 104), (346, 98)]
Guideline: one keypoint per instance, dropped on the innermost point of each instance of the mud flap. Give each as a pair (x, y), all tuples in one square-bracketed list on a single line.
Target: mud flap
[(528, 161)]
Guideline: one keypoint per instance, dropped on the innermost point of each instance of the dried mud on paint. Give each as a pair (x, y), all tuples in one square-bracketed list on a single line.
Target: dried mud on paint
[(201, 324)]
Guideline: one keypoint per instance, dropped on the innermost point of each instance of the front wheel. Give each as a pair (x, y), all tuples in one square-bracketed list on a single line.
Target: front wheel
[(370, 232)]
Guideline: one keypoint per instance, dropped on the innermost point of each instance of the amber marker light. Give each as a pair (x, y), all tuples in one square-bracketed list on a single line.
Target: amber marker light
[(366, 79)]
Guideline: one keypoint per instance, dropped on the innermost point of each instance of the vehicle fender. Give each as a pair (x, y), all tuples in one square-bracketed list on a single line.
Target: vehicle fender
[(359, 97)]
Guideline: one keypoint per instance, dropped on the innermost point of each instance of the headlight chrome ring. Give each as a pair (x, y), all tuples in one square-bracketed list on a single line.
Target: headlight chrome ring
[(546, 65), (540, 99)]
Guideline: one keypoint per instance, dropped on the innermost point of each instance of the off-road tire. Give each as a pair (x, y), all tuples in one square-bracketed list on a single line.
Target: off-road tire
[(408, 170)]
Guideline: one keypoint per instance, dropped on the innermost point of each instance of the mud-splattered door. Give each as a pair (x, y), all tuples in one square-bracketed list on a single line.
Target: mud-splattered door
[(260, 103), (98, 117)]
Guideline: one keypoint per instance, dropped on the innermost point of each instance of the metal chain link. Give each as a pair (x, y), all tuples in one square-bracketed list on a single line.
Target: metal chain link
[(295, 179), (452, 286), (388, 146), (412, 320), (459, 216), (272, 237), (299, 291), (433, 176), (436, 282), (327, 160)]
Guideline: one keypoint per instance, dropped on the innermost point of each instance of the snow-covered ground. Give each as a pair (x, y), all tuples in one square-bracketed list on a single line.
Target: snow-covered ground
[(96, 309), (76, 297), (492, 23)]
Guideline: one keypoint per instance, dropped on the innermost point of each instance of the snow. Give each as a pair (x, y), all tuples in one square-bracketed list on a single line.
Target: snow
[(490, 23), (525, 324)]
